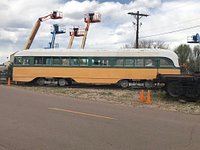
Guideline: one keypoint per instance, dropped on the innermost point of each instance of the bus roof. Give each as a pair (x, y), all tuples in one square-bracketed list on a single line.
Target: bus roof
[(101, 53)]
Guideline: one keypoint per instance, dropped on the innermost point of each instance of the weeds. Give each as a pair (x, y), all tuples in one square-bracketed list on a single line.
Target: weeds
[(159, 98)]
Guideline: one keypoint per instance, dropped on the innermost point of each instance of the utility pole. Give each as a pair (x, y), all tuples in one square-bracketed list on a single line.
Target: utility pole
[(137, 16)]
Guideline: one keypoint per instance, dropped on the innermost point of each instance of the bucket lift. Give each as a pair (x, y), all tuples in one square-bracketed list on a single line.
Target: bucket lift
[(75, 32), (57, 29), (193, 39), (90, 18), (52, 15)]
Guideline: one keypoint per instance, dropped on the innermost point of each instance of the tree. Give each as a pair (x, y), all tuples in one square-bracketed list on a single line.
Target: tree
[(184, 53), (149, 44), (195, 59), (153, 43)]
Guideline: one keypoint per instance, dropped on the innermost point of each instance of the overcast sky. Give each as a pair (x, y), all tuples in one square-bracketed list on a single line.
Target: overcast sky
[(115, 30)]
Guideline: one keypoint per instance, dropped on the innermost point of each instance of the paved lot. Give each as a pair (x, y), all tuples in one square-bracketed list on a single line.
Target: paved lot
[(30, 121)]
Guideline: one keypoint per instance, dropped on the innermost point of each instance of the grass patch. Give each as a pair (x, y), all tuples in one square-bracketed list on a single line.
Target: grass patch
[(160, 99)]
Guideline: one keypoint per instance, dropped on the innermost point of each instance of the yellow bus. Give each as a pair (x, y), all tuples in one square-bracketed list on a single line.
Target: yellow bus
[(66, 66)]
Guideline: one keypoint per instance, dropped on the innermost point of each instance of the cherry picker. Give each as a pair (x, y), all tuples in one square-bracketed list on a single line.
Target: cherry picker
[(53, 15), (57, 29), (78, 32), (75, 32)]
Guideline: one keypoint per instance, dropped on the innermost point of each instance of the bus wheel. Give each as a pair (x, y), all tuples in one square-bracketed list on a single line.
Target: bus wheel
[(68, 82), (62, 82), (123, 83), (148, 84), (40, 81)]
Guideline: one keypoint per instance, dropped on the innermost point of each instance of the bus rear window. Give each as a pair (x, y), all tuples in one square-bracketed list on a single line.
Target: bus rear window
[(22, 60), (18, 60), (164, 62)]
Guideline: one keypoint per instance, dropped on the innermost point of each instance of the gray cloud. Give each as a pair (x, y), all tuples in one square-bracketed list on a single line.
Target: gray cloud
[(115, 29)]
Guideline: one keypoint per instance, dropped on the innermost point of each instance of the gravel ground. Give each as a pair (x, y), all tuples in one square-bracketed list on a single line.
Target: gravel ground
[(114, 95)]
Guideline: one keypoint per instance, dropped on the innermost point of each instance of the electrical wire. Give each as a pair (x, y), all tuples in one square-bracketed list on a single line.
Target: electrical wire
[(169, 32), (175, 9), (178, 6), (172, 25)]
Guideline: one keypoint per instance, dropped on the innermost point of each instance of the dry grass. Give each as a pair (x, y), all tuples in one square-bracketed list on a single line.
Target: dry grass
[(110, 94)]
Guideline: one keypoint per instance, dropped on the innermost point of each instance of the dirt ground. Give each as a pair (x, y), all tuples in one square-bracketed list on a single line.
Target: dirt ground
[(114, 95)]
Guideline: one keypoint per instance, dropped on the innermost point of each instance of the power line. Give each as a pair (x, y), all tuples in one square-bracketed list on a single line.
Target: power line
[(175, 24), (175, 9), (180, 6), (169, 32)]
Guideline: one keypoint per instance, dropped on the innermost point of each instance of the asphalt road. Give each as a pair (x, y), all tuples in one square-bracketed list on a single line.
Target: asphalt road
[(32, 121)]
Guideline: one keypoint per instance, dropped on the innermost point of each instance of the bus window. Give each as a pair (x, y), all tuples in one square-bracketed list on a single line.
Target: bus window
[(47, 60), (164, 62), (139, 62), (149, 62), (38, 60), (100, 62), (119, 62), (83, 61), (25, 60), (65, 61), (104, 62), (128, 62), (56, 60), (96, 61), (74, 62), (18, 60)]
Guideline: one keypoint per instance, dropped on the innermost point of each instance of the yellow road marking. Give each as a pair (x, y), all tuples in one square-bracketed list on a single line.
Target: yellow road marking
[(81, 113)]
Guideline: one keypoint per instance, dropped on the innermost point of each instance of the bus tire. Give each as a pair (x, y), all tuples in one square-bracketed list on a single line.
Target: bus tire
[(148, 84), (68, 82), (62, 82), (123, 83), (40, 81)]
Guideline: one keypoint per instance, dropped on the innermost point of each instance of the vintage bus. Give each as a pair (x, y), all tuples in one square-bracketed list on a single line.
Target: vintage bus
[(67, 66)]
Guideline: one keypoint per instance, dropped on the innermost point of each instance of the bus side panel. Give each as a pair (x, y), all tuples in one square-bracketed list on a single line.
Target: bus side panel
[(89, 75)]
